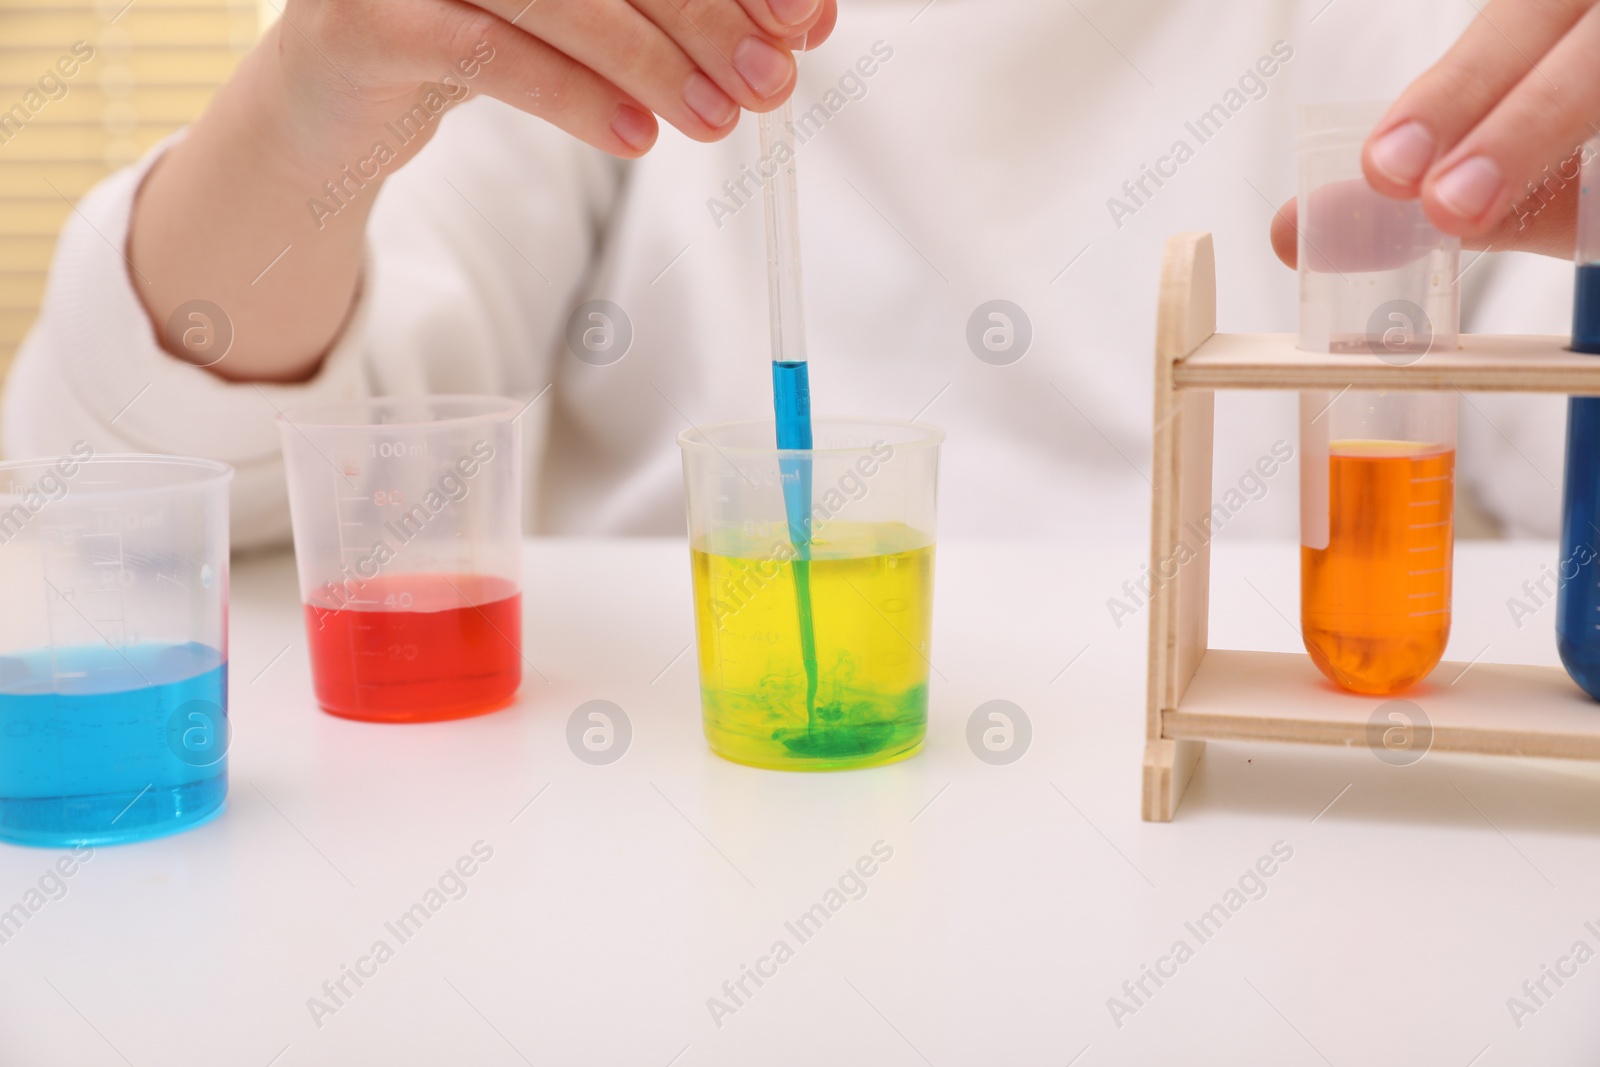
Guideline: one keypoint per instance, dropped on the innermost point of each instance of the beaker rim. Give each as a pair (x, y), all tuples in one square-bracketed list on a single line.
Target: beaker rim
[(204, 473), (316, 415), (926, 435)]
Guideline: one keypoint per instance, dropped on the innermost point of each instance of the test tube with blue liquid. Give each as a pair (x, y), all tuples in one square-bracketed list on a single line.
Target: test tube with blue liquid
[(113, 647), (1578, 593)]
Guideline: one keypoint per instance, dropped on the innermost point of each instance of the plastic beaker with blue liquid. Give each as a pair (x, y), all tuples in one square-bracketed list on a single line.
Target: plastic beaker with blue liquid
[(113, 647), (1578, 594)]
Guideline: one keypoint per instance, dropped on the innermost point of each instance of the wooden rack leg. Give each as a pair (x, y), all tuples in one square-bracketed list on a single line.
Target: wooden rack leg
[(1167, 767), (1180, 538)]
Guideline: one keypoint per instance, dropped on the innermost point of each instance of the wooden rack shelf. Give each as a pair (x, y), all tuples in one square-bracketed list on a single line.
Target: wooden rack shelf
[(1198, 694), (1482, 364), (1493, 708)]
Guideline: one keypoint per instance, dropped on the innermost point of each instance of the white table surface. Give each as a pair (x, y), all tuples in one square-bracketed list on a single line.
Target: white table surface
[(1018, 899)]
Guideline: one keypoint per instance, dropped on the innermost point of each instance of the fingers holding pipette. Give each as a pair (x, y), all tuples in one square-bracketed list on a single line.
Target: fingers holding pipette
[(625, 44), (695, 63), (604, 70), (794, 20), (754, 67), (534, 77)]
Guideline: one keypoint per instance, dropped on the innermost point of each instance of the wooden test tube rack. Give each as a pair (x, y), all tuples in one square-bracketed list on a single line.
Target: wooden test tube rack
[(1197, 693)]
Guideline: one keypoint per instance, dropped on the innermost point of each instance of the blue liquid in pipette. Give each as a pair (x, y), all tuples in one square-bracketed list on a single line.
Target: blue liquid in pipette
[(1578, 587), (101, 745), (791, 400)]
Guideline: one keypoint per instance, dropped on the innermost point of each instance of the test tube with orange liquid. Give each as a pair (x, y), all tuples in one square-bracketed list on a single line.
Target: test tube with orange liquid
[(1377, 475), (1377, 535)]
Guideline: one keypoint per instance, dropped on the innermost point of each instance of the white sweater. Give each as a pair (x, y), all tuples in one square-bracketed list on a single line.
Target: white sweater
[(985, 157)]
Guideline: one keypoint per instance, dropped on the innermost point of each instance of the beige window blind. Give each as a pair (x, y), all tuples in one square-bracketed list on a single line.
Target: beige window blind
[(86, 88)]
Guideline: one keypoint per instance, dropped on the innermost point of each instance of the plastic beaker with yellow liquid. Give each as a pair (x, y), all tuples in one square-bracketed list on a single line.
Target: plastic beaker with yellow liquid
[(1377, 534), (838, 679)]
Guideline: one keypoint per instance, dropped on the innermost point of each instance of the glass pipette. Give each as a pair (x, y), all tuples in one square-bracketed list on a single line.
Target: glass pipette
[(791, 385)]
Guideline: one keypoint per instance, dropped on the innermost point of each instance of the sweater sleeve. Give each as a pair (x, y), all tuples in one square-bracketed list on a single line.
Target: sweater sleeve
[(92, 369), (468, 273)]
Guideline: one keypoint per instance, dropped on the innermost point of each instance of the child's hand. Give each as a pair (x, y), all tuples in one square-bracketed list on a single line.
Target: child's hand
[(1490, 137), (1519, 92), (341, 93), (599, 69)]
